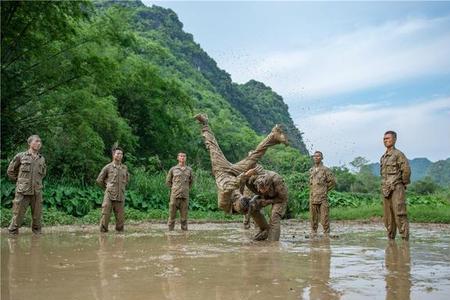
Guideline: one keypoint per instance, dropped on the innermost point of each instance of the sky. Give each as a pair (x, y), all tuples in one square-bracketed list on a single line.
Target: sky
[(349, 71)]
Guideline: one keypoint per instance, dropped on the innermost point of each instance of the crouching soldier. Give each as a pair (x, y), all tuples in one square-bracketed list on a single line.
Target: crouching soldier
[(27, 169), (113, 178)]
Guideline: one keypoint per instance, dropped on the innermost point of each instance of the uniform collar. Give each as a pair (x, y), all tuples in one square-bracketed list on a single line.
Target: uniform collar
[(389, 152), (28, 152)]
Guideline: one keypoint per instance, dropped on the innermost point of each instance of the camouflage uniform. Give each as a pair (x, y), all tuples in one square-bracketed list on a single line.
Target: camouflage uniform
[(114, 179), (395, 175), (276, 192), (27, 171), (179, 179), (228, 175), (321, 181)]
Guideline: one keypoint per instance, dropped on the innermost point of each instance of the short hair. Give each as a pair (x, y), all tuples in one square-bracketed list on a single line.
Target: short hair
[(181, 152), (321, 154), (393, 133), (114, 149), (32, 137)]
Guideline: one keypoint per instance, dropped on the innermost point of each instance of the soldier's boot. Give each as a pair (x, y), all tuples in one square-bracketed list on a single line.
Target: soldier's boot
[(171, 225), (202, 119), (184, 225), (262, 235), (279, 135)]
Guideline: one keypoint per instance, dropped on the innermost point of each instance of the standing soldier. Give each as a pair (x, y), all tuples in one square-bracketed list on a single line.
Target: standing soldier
[(179, 180), (395, 176), (113, 178), (321, 181), (27, 169)]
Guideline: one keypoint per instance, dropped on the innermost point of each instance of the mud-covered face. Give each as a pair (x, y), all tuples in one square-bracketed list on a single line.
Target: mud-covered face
[(181, 158), (118, 155), (389, 140), (317, 157), (36, 144)]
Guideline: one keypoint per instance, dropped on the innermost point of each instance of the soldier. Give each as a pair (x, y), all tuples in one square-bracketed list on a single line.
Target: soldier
[(113, 178), (321, 181), (28, 169), (228, 175), (270, 189), (179, 180), (395, 176)]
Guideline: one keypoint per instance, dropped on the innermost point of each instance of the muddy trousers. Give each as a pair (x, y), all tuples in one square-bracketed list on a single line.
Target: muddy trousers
[(274, 226), (175, 204), (395, 215), (119, 213), (320, 211), (225, 172), (20, 206)]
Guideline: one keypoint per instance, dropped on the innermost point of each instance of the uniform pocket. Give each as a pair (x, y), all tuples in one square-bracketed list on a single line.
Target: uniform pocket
[(25, 167)]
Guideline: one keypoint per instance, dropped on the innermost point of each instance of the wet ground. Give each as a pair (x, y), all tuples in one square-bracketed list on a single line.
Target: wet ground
[(218, 261)]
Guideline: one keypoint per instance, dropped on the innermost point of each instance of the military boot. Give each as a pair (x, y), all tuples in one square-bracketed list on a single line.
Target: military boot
[(279, 135), (202, 118)]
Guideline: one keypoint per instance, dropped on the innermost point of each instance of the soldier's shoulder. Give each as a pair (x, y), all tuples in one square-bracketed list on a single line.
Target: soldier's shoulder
[(20, 154), (398, 153)]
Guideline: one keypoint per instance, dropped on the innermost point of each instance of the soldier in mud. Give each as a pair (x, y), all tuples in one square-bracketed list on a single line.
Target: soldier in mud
[(114, 178), (269, 189), (228, 176), (27, 169), (179, 180), (321, 181), (395, 176)]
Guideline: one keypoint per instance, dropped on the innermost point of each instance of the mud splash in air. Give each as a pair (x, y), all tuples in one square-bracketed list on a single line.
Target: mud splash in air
[(214, 261)]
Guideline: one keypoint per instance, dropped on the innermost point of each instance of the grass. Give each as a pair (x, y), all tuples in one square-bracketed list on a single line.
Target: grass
[(416, 213)]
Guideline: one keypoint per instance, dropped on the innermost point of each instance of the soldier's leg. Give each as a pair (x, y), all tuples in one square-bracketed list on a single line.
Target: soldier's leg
[(20, 205), (276, 136), (172, 212), (184, 206), (389, 217), (106, 214), (36, 212), (325, 217), (119, 214), (246, 221), (261, 223), (278, 211), (314, 211), (400, 212)]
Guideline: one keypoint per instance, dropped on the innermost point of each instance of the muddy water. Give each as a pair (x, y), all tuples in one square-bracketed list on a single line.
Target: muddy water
[(217, 261)]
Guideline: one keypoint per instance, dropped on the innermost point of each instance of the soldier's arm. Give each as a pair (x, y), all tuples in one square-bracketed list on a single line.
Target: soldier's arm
[(191, 178), (169, 178), (13, 168), (102, 177), (406, 170), (128, 176), (44, 169), (331, 181)]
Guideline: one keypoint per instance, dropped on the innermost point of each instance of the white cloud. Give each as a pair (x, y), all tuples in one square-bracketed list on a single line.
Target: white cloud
[(423, 130), (365, 58)]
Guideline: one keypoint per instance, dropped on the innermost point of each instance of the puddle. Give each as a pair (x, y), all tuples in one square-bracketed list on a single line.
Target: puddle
[(218, 261)]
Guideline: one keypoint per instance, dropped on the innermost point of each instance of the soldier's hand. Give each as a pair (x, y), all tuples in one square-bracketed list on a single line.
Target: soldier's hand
[(250, 172)]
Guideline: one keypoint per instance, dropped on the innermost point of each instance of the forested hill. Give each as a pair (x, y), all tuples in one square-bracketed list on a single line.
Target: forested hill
[(85, 75), (258, 104)]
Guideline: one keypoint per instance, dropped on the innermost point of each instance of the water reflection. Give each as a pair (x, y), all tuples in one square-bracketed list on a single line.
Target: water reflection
[(320, 262), (24, 253), (398, 276)]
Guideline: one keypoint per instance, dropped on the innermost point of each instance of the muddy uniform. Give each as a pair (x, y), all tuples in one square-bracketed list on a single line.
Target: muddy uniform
[(321, 181), (114, 179), (179, 179), (228, 175), (395, 175), (276, 192), (27, 171)]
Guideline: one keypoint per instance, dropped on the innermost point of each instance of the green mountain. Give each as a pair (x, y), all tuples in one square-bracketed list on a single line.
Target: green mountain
[(439, 171), (85, 75), (256, 103)]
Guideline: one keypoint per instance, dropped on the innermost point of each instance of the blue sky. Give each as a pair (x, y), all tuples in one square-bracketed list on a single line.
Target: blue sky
[(348, 71)]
